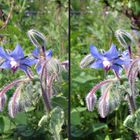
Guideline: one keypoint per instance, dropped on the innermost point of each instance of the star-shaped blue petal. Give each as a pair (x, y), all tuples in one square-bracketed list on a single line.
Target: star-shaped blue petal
[(107, 60), (15, 59)]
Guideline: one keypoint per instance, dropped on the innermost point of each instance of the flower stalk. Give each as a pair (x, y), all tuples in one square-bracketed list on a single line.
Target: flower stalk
[(44, 89)]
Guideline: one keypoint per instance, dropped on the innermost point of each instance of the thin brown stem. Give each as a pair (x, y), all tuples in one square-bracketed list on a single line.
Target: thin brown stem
[(9, 15)]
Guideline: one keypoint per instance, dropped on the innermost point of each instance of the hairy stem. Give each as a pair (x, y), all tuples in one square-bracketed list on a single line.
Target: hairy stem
[(43, 82), (132, 104), (46, 99)]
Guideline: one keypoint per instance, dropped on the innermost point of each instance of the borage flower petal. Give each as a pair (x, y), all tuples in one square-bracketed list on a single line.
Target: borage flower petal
[(3, 54), (112, 53), (5, 65), (16, 60), (95, 52), (17, 52), (48, 54), (108, 60), (97, 64)]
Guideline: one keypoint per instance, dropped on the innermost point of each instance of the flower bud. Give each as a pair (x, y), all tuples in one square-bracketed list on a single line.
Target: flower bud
[(124, 38), (90, 101), (87, 61), (37, 38), (2, 101)]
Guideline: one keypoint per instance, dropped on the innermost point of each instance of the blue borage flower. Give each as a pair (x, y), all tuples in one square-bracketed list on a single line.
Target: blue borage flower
[(40, 58), (125, 56), (107, 60), (15, 60)]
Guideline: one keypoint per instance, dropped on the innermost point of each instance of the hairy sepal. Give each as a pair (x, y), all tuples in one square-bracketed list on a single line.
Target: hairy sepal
[(87, 61)]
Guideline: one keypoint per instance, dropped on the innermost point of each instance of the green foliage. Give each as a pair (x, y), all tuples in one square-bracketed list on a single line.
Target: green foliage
[(56, 122), (133, 122), (130, 8)]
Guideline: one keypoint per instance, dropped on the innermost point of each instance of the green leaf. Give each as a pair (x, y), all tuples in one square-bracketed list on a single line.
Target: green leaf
[(59, 100), (56, 122), (83, 78), (75, 117), (43, 120), (21, 118), (7, 123), (1, 124), (133, 121), (129, 122), (99, 126), (24, 130), (107, 138)]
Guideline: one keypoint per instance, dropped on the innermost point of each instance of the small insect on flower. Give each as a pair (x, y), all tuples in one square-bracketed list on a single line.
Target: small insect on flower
[(15, 59), (107, 60), (40, 59)]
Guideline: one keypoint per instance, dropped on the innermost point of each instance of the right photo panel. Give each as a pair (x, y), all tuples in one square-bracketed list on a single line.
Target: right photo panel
[(105, 65)]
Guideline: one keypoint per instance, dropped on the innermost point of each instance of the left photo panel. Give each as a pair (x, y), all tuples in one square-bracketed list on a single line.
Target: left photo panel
[(34, 67)]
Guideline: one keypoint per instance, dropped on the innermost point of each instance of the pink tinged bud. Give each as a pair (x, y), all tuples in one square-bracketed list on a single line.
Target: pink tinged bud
[(91, 98), (2, 101), (91, 101), (13, 106), (103, 105)]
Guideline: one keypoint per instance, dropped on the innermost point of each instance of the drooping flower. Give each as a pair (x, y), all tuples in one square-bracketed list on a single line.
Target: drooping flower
[(15, 60), (107, 60), (3, 99), (40, 58), (90, 101)]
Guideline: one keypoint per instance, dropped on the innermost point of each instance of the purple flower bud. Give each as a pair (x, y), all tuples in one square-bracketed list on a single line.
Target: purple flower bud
[(3, 99), (91, 98), (87, 61), (90, 101), (13, 106), (103, 105)]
